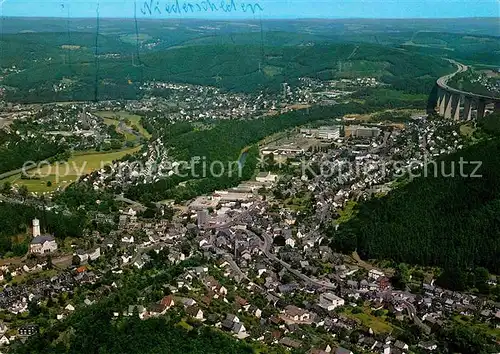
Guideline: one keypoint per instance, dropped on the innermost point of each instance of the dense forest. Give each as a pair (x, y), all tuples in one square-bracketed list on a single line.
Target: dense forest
[(16, 152), (440, 220)]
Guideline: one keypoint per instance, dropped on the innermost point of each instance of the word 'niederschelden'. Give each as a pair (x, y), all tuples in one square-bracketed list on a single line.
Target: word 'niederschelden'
[(154, 8)]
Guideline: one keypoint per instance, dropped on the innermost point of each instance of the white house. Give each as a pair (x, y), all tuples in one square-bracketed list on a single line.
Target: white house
[(126, 239), (84, 257), (4, 341), (94, 254), (70, 307), (330, 301), (375, 274), (266, 177)]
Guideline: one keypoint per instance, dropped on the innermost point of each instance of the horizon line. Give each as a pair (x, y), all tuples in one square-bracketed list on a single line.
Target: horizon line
[(253, 18)]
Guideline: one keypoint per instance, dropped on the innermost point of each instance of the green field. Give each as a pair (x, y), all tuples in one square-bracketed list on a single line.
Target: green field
[(132, 120), (377, 324), (61, 175)]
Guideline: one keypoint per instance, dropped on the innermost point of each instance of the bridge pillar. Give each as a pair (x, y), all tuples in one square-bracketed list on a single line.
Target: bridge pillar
[(440, 96), (447, 111), (481, 106), (497, 107), (456, 106), (442, 104), (467, 108)]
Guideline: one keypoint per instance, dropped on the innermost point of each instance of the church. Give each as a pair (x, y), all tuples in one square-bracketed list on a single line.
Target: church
[(41, 244)]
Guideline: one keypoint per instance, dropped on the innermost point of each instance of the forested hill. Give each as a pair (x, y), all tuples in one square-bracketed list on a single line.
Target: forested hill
[(450, 222), (242, 68)]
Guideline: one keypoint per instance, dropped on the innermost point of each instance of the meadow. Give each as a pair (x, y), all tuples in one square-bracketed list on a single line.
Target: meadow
[(49, 178)]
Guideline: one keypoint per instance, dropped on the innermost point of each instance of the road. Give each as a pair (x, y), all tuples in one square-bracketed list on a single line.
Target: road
[(121, 198), (443, 83), (229, 259), (266, 245)]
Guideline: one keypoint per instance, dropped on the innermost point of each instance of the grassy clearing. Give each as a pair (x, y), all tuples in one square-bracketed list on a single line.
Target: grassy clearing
[(348, 212), (377, 324), (271, 70), (135, 121), (63, 174), (132, 120), (467, 130)]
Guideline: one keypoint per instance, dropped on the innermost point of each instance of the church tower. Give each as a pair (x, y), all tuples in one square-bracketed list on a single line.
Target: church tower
[(36, 227)]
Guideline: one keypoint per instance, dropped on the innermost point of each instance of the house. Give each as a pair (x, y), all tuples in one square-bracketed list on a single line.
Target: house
[(293, 313), (238, 328), (128, 239), (187, 302), (156, 310), (401, 345), (43, 244), (195, 312), (126, 259), (4, 341), (28, 330), (82, 255), (375, 274), (330, 301), (108, 243), (94, 254), (167, 301), (3, 328), (289, 241), (261, 269), (290, 343), (429, 346), (230, 322), (266, 177), (69, 307)]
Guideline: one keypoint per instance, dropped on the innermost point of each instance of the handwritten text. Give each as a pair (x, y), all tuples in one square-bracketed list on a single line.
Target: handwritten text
[(153, 7)]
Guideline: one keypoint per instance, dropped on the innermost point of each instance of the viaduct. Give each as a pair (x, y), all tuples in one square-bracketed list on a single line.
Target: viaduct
[(450, 100)]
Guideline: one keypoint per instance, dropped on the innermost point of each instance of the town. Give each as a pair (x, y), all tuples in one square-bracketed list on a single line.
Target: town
[(266, 272)]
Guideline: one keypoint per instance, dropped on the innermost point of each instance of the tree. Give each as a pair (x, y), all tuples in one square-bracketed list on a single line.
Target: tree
[(49, 184), (481, 277), (401, 276), (75, 261), (453, 278), (23, 191), (49, 262), (6, 188), (34, 309)]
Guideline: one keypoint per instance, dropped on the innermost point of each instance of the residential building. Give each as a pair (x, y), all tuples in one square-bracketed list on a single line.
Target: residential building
[(330, 301)]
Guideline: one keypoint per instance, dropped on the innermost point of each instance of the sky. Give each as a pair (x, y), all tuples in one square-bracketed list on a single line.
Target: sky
[(285, 9)]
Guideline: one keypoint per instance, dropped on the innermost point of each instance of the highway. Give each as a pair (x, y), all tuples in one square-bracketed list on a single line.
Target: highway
[(442, 82)]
